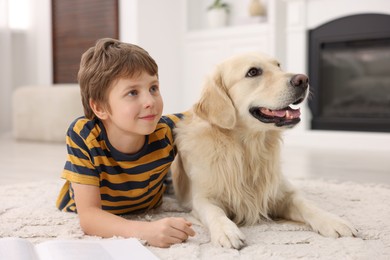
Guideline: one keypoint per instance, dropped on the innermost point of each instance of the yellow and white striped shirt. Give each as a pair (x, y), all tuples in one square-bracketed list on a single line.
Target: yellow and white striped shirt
[(128, 183)]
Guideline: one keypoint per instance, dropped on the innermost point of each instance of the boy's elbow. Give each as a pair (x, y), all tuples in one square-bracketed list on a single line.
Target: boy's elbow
[(85, 225), (87, 222)]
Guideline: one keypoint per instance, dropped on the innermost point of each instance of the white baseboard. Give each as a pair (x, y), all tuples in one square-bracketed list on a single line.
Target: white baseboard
[(338, 140)]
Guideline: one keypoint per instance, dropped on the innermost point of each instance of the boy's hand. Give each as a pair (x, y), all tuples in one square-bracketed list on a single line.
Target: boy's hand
[(167, 231), (95, 221)]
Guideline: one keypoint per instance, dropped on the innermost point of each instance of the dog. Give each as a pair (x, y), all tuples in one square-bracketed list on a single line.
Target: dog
[(227, 168)]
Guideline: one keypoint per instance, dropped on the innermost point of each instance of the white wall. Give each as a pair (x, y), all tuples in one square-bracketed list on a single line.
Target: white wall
[(32, 48), (30, 51), (5, 69)]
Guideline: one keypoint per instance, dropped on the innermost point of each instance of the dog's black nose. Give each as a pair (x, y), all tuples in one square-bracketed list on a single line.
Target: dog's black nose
[(300, 81)]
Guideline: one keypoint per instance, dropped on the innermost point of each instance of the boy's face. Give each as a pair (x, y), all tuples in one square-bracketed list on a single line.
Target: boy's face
[(136, 105)]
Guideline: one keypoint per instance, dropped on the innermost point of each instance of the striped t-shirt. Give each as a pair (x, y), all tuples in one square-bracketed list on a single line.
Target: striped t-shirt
[(128, 183)]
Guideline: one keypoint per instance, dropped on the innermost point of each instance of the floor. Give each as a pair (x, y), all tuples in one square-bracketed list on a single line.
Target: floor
[(363, 166), (32, 161)]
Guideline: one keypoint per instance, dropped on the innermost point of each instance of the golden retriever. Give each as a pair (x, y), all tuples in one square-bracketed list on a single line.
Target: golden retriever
[(227, 168)]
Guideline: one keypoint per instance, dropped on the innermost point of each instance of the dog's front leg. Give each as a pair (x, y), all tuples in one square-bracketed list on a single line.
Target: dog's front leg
[(223, 231), (297, 208)]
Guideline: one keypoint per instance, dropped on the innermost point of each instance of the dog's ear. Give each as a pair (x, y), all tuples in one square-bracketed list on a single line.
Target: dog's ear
[(215, 104)]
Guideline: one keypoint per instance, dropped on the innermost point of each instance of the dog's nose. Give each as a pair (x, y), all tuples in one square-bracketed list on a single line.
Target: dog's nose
[(300, 81)]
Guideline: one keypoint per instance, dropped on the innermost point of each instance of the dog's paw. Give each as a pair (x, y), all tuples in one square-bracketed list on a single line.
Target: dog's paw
[(331, 225), (226, 234)]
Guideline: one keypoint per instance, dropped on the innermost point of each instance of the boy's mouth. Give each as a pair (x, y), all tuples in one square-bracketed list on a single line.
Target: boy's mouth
[(148, 117)]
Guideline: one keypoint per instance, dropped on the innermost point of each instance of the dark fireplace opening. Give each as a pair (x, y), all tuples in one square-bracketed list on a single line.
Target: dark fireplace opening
[(349, 69)]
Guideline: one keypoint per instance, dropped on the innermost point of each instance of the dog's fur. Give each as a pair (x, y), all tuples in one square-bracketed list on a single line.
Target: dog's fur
[(227, 168)]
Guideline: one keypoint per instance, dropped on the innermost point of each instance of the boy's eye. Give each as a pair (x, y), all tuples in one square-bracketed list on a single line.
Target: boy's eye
[(133, 93), (154, 89)]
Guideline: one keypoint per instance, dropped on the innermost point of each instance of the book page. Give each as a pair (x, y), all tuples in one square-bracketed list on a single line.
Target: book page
[(109, 249), (17, 249)]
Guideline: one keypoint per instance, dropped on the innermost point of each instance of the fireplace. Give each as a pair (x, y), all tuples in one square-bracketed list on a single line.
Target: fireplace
[(349, 69)]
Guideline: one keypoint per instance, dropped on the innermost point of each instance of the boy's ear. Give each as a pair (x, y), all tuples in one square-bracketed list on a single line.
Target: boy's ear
[(99, 110)]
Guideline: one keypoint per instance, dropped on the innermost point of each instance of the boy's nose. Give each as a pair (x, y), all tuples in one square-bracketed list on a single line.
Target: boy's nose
[(149, 100)]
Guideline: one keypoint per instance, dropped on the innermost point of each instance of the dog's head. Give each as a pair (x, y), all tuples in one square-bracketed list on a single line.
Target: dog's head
[(252, 88)]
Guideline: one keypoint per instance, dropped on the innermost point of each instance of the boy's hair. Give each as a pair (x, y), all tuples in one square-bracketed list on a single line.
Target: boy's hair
[(105, 63)]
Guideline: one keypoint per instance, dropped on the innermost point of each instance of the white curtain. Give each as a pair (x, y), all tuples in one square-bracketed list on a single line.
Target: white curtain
[(5, 69)]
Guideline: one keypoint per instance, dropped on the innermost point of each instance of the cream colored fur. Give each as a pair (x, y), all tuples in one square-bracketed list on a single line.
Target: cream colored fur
[(228, 166)]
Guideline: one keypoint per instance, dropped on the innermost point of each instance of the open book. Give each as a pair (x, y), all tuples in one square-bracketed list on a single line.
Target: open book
[(107, 249)]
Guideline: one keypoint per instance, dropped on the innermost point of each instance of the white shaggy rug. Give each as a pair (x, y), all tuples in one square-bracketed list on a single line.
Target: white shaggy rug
[(28, 211)]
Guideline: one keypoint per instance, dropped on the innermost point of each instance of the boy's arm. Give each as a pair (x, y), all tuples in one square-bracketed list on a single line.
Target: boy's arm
[(95, 221)]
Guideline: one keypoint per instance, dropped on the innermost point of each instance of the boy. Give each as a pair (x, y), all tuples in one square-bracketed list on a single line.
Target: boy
[(120, 152)]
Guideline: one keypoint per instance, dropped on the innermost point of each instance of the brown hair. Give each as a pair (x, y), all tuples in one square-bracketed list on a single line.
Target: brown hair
[(106, 62)]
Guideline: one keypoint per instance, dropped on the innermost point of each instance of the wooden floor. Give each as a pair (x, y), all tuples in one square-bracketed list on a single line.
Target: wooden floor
[(31, 161)]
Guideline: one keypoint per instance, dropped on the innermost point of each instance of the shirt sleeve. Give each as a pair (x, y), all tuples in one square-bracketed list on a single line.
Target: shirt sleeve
[(79, 166), (172, 119)]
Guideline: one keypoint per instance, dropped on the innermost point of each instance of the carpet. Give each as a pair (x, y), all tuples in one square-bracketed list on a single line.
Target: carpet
[(28, 211)]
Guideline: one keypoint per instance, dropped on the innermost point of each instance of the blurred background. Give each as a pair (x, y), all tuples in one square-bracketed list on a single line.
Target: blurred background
[(343, 45)]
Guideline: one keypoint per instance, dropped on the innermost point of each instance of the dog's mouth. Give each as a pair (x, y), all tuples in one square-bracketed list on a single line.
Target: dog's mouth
[(288, 116)]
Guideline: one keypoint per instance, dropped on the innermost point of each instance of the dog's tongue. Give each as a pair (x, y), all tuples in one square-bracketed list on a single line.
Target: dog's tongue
[(287, 112)]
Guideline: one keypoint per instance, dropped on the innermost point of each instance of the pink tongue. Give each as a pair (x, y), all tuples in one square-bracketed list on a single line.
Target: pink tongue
[(288, 112)]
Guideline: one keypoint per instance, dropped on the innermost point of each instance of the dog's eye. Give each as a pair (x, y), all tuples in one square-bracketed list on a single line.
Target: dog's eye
[(253, 72)]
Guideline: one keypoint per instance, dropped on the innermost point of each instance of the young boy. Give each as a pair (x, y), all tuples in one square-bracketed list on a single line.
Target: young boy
[(120, 152)]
